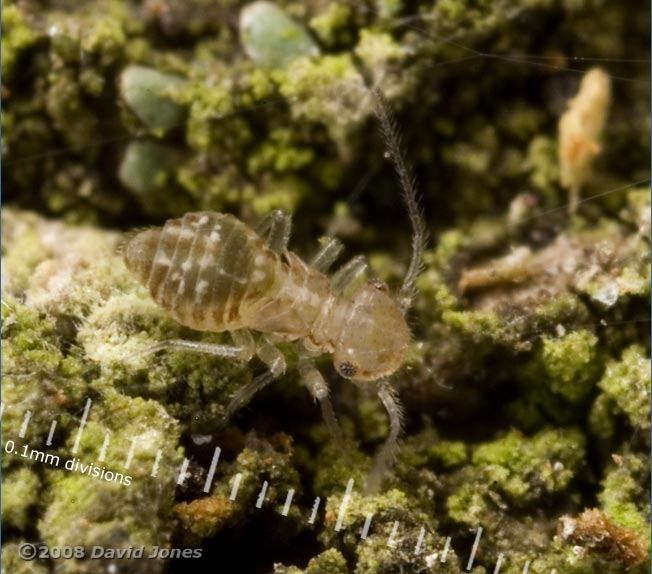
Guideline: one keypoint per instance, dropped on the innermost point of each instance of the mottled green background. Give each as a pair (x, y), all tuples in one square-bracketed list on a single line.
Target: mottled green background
[(526, 398)]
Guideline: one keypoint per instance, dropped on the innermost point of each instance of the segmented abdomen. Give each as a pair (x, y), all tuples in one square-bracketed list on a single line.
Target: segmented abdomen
[(208, 268)]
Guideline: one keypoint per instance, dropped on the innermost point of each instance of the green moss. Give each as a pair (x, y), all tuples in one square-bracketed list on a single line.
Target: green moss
[(18, 36), (12, 560), (449, 454), (623, 497), (520, 307), (334, 24), (567, 365), (526, 469), (627, 384), (19, 495), (329, 91)]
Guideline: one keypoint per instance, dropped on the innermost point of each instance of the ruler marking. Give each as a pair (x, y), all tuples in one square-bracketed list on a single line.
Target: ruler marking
[(236, 486), (365, 528), (315, 507), (261, 495), (391, 542), (447, 544), (526, 567), (345, 503), (211, 470), (53, 426), (105, 446), (182, 471), (82, 424), (499, 563), (417, 548), (157, 460), (288, 502), (130, 454), (23, 428), (476, 543)]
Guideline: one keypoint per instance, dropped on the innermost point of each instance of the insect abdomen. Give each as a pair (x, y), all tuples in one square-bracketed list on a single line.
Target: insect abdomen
[(205, 268)]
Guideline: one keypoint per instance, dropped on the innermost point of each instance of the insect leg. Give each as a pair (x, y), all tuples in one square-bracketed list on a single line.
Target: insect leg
[(276, 228), (246, 393), (244, 339), (327, 254), (183, 345), (349, 273), (318, 388), (275, 362), (387, 453), (271, 356)]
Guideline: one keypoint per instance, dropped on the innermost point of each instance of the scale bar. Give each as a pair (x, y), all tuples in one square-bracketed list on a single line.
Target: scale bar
[(345, 503), (261, 495), (288, 502), (315, 508), (105, 446), (365, 528), (23, 428), (476, 543), (236, 486), (211, 470), (53, 426), (82, 424)]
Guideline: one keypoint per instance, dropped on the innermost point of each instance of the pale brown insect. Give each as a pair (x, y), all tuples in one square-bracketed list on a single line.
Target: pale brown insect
[(212, 272)]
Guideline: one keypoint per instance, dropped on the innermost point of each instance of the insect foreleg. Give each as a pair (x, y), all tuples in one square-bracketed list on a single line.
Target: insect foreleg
[(318, 388), (387, 453), (349, 273), (327, 254), (276, 228)]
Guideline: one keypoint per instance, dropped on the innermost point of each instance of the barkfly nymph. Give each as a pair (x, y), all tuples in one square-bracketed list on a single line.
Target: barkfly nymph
[(212, 272)]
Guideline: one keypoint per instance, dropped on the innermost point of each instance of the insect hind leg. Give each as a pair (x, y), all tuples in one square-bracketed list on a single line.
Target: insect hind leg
[(236, 352), (276, 365), (385, 457), (276, 228)]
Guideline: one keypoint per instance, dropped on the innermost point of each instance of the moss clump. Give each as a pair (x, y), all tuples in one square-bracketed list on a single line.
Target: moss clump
[(18, 35), (19, 495), (518, 470), (626, 383)]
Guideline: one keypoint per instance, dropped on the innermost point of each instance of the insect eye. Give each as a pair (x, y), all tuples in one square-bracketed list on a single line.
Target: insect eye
[(347, 370), (380, 285)]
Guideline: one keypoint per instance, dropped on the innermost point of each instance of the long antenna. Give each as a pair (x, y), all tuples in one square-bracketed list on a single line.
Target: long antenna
[(392, 137)]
